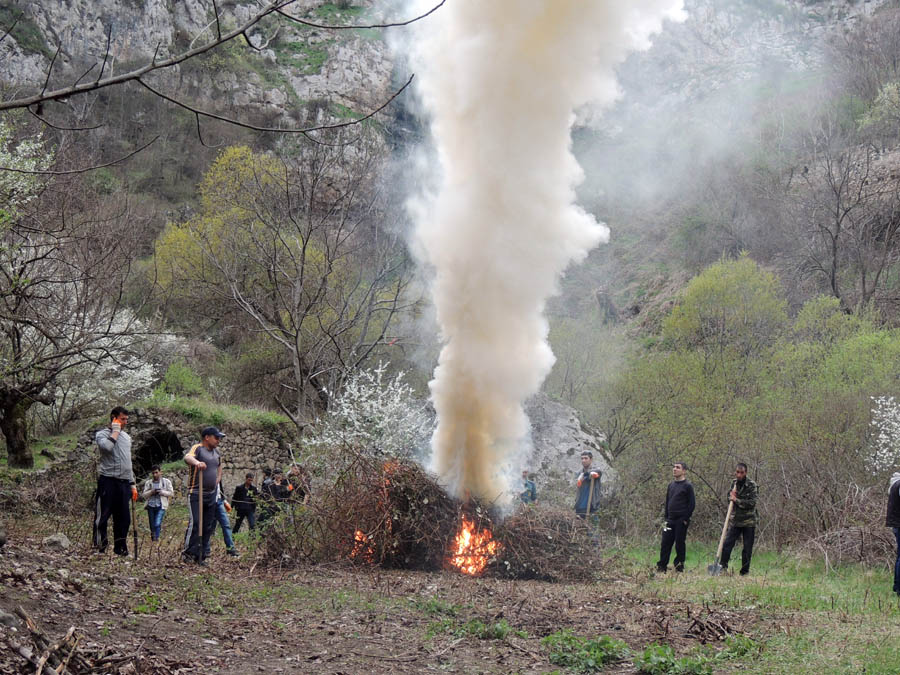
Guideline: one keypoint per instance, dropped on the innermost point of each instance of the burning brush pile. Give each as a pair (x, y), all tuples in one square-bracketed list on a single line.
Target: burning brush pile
[(393, 514)]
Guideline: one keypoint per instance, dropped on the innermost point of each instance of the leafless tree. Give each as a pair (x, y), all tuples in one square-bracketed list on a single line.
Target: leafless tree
[(849, 217), (64, 260), (297, 252)]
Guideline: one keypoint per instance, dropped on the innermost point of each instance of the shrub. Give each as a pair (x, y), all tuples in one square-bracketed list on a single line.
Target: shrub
[(584, 654)]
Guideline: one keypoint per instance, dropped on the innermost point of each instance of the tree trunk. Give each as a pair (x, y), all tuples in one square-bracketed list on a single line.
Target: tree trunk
[(14, 425)]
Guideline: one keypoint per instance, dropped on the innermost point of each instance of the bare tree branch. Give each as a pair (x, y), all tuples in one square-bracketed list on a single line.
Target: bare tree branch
[(153, 65), (279, 130), (85, 169), (11, 28)]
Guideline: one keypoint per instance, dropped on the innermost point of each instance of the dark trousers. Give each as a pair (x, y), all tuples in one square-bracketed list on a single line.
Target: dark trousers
[(113, 497), (748, 534), (674, 533), (897, 563), (196, 541), (251, 520)]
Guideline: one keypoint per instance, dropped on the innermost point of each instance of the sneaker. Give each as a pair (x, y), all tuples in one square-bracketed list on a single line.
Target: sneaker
[(122, 553), (745, 572), (203, 563), (232, 552), (662, 570), (679, 568)]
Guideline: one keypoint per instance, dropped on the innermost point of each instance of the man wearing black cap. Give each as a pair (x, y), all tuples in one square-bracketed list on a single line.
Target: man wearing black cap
[(206, 473)]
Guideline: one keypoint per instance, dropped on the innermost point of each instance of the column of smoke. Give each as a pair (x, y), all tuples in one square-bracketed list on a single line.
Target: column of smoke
[(500, 81)]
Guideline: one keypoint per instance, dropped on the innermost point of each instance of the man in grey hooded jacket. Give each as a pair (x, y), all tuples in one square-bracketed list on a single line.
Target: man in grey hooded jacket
[(892, 520)]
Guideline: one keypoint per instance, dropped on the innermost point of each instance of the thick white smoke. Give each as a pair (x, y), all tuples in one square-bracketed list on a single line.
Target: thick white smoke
[(500, 81)]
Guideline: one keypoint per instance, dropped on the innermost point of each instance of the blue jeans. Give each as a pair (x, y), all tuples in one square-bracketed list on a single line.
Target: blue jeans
[(222, 519), (897, 563), (155, 514)]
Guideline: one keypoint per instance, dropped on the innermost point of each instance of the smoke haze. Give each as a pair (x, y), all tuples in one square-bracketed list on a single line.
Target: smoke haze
[(500, 82)]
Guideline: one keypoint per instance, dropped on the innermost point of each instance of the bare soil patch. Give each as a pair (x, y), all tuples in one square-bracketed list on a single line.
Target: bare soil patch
[(156, 615)]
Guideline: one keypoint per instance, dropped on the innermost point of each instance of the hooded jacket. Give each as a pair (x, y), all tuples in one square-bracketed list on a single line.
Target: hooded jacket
[(893, 506)]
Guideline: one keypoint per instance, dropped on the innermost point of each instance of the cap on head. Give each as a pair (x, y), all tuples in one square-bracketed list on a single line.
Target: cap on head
[(211, 431), (587, 453)]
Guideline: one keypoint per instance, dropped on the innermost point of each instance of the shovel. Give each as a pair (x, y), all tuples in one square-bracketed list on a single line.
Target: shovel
[(716, 569)]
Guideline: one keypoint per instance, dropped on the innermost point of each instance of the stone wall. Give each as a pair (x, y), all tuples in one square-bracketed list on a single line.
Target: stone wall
[(160, 436)]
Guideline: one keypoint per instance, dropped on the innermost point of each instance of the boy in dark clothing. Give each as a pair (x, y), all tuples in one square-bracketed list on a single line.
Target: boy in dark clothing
[(892, 520), (244, 501), (679, 508), (743, 520)]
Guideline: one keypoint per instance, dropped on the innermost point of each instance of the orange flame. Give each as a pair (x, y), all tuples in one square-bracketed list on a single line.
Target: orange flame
[(472, 550), (362, 548)]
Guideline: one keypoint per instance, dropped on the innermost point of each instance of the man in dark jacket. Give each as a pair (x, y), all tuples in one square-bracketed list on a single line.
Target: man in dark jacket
[(244, 501), (893, 521), (679, 508), (744, 519)]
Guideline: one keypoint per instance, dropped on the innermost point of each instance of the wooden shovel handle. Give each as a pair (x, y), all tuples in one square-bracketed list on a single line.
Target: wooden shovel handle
[(724, 530)]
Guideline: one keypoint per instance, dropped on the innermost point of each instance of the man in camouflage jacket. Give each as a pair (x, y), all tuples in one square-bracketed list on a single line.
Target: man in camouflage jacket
[(744, 519)]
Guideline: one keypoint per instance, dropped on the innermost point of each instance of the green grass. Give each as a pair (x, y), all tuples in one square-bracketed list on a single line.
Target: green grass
[(330, 13), (837, 620), (59, 445), (775, 581), (208, 412), (306, 59)]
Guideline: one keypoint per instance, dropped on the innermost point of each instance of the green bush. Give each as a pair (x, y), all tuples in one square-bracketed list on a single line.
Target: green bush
[(584, 654), (659, 659), (180, 380)]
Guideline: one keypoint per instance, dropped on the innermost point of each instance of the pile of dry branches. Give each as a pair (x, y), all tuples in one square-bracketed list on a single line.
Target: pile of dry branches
[(74, 654), (551, 545), (393, 514)]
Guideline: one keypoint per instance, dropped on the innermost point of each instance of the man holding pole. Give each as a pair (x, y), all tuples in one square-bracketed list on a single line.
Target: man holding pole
[(587, 500), (743, 525), (206, 472)]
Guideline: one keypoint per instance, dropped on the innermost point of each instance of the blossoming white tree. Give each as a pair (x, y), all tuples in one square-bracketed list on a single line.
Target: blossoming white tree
[(376, 414), (885, 433), (62, 282)]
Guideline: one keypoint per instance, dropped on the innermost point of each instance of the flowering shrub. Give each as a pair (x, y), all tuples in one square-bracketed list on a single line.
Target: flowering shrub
[(885, 426), (377, 414)]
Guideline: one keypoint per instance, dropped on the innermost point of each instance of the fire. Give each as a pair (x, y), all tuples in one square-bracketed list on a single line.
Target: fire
[(362, 548), (472, 549)]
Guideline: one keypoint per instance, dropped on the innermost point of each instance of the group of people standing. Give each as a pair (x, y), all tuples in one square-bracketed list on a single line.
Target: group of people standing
[(679, 507), (209, 506)]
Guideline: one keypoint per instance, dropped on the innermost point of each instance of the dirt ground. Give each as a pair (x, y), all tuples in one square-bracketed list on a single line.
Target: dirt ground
[(158, 615)]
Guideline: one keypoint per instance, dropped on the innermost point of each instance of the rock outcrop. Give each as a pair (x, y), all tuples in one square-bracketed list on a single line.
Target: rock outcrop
[(559, 437)]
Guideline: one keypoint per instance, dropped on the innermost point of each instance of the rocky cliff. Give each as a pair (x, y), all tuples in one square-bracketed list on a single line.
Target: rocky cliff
[(289, 66)]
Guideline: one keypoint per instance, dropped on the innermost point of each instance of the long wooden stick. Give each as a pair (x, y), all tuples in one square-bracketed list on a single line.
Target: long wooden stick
[(590, 497), (724, 531), (200, 514), (134, 529)]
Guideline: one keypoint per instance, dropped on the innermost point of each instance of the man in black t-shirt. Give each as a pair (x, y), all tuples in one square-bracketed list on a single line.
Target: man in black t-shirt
[(678, 511)]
